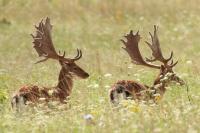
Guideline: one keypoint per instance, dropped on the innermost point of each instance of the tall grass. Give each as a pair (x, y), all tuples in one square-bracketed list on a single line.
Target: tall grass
[(96, 26)]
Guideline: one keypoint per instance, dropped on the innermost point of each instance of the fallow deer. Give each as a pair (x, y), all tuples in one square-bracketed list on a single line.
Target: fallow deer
[(44, 46), (137, 91)]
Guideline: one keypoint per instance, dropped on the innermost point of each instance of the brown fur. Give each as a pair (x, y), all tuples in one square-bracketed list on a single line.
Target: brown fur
[(34, 93), (135, 90)]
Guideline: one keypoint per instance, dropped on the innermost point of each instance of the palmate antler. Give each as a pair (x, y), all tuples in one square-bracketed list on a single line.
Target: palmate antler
[(44, 46), (131, 46), (156, 50)]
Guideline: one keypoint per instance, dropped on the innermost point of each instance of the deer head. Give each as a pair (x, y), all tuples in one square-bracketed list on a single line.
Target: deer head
[(44, 46), (72, 68), (167, 75), (166, 68)]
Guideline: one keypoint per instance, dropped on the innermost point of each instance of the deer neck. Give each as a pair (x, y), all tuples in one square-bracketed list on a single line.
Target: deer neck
[(65, 81), (160, 85)]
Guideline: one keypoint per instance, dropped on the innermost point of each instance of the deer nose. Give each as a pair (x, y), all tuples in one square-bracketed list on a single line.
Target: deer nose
[(86, 75), (181, 82)]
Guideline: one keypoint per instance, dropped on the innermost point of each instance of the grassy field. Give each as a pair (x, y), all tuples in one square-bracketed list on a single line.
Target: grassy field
[(96, 26)]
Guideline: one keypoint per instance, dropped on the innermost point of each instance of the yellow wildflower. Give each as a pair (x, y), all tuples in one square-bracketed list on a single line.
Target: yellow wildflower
[(157, 98), (134, 108)]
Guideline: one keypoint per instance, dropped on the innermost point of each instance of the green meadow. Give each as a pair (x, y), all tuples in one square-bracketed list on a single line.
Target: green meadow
[(96, 27)]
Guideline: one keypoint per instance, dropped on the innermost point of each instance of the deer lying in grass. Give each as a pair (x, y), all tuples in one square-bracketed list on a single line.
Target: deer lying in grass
[(134, 90), (44, 46)]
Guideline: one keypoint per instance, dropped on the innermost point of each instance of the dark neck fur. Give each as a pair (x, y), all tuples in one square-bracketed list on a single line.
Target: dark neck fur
[(65, 82)]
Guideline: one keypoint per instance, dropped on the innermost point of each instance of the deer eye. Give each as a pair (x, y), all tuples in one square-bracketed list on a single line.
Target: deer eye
[(75, 68), (68, 64)]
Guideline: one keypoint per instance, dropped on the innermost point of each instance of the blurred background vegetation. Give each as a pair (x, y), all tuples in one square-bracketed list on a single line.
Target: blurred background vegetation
[(96, 26)]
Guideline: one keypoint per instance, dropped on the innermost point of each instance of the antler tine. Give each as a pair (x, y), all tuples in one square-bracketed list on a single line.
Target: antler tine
[(172, 65), (131, 46), (78, 56), (156, 50), (41, 60), (78, 53), (44, 46), (171, 55), (172, 61), (61, 55)]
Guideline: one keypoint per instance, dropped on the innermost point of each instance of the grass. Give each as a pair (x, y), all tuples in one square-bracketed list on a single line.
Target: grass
[(96, 27)]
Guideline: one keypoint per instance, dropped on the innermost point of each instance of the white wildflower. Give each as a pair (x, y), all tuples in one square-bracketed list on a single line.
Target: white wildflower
[(130, 66), (107, 86), (175, 29), (88, 117), (96, 85), (141, 18), (108, 75), (189, 62), (138, 79)]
